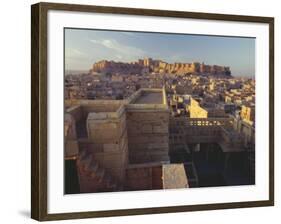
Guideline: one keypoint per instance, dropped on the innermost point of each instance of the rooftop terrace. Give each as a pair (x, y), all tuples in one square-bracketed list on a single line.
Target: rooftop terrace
[(150, 98)]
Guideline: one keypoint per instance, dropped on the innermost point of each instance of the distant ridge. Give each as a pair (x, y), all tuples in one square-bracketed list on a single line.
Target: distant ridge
[(76, 72)]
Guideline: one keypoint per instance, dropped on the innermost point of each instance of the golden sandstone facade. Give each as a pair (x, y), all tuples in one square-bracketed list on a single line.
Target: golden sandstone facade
[(248, 113), (196, 111), (206, 110), (158, 66), (134, 144), (121, 144)]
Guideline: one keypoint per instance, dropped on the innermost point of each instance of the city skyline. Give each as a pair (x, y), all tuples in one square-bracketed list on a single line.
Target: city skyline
[(85, 47)]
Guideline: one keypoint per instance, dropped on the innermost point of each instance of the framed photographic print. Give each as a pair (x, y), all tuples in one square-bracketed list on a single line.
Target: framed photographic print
[(139, 111)]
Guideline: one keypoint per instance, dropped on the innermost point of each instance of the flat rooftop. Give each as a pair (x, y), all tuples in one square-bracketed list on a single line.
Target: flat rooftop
[(148, 97)]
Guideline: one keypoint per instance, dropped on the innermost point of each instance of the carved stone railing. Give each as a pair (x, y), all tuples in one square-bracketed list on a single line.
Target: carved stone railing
[(206, 130)]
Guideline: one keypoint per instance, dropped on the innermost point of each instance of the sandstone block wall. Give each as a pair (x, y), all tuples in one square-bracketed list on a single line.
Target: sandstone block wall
[(118, 133), (108, 143), (148, 136)]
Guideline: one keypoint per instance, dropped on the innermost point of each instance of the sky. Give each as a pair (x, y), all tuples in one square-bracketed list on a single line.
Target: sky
[(84, 47)]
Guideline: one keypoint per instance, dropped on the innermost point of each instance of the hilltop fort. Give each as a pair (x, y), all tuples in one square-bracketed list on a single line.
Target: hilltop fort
[(148, 65)]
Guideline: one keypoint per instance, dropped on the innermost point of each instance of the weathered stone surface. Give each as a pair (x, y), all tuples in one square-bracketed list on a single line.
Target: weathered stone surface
[(148, 132), (158, 146), (174, 176), (110, 147), (113, 160), (91, 147), (97, 116), (71, 148), (161, 129), (159, 158), (116, 173), (146, 128)]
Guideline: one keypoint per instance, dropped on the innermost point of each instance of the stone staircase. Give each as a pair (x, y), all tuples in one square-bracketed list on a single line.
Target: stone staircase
[(93, 177)]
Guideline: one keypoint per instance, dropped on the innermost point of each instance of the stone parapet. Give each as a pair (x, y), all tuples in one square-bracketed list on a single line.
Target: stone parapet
[(122, 132)]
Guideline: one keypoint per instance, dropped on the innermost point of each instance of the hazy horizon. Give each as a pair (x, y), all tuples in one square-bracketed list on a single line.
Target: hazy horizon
[(84, 47)]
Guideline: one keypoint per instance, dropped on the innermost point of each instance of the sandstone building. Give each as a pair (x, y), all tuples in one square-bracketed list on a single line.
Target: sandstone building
[(135, 144), (204, 109), (121, 145)]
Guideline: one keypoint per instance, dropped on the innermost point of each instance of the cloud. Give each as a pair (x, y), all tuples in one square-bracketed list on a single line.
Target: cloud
[(76, 59), (122, 50), (119, 56), (74, 53)]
